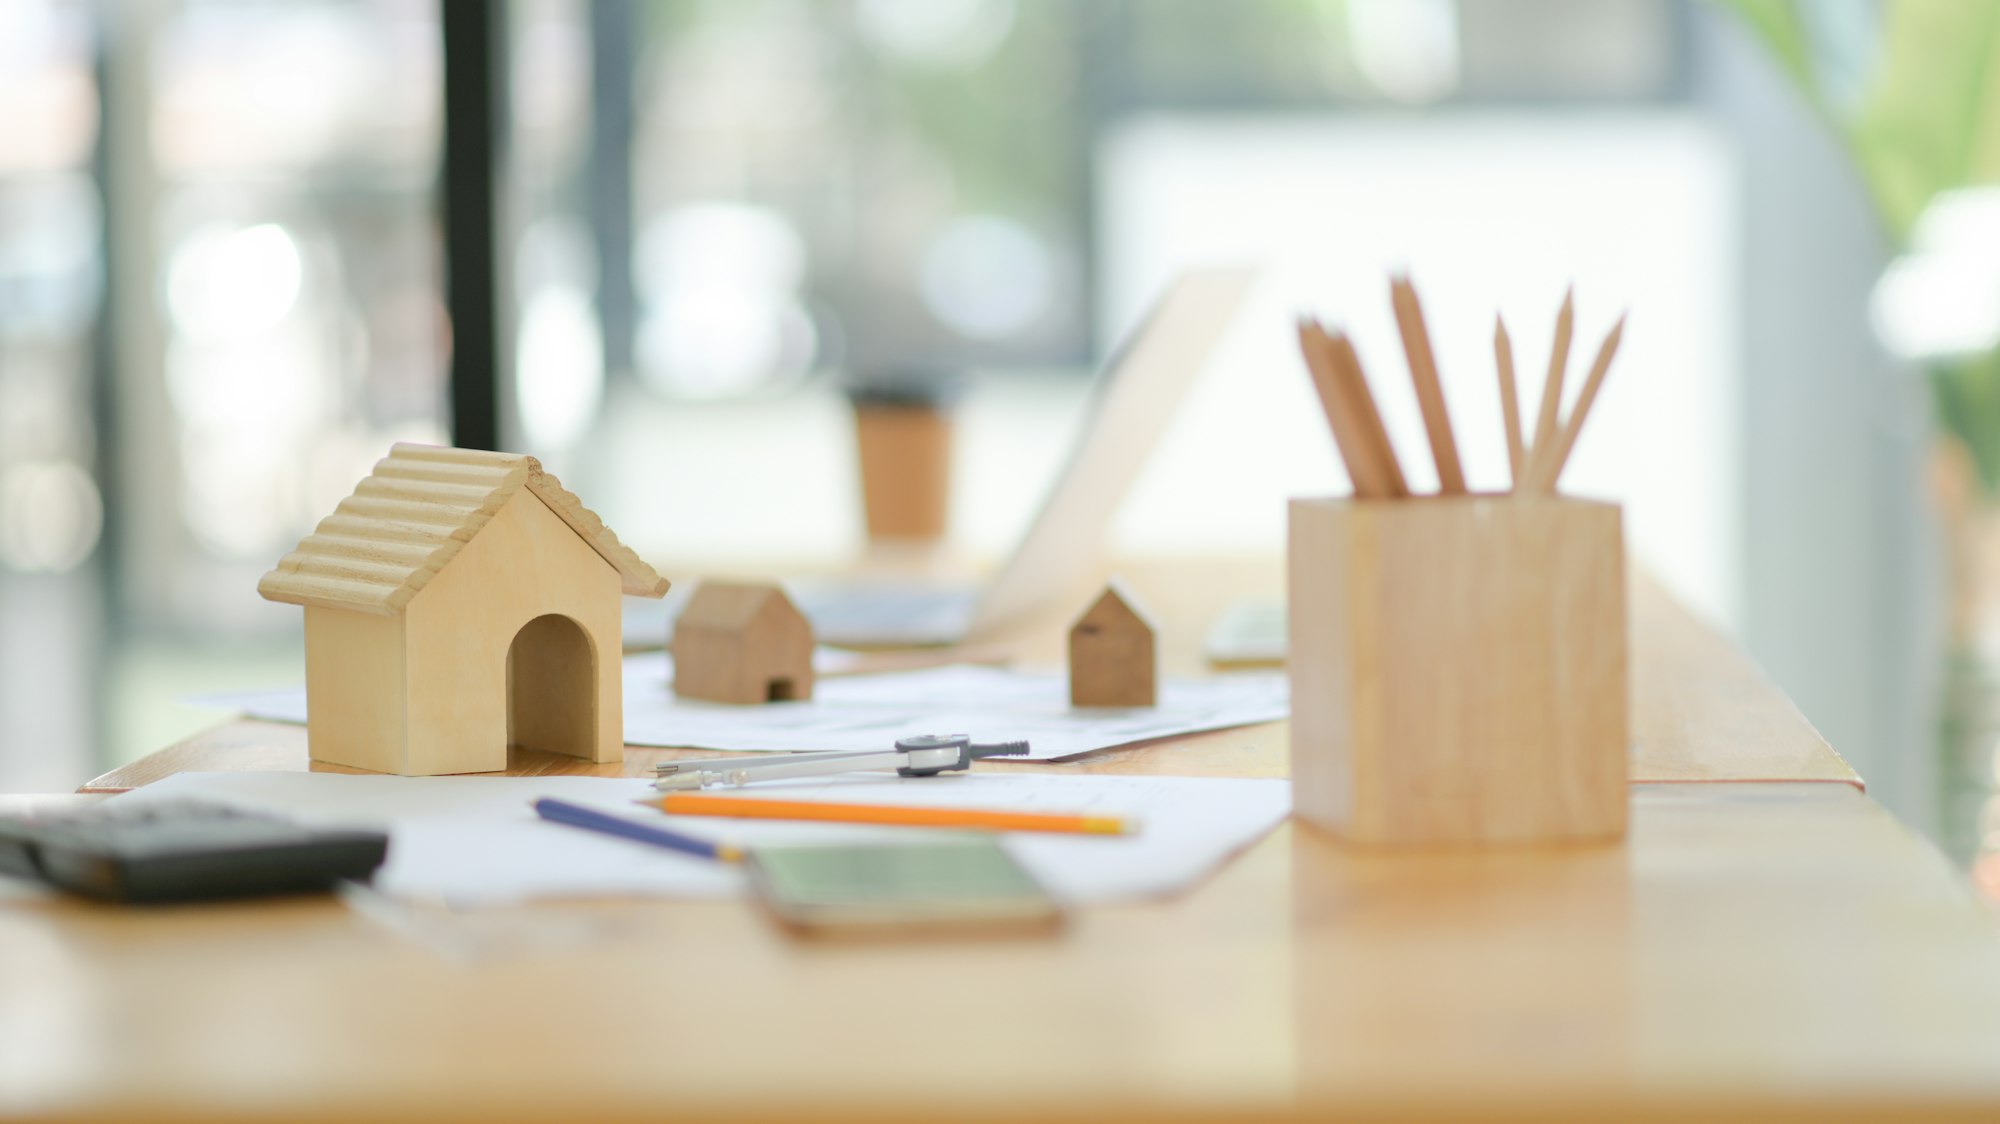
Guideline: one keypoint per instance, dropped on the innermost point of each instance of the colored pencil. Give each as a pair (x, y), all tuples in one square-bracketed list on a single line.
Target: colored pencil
[(701, 804), (1350, 413), (1510, 400), (589, 819), (1430, 393), (1354, 381), (1549, 468), (1347, 439), (1552, 387)]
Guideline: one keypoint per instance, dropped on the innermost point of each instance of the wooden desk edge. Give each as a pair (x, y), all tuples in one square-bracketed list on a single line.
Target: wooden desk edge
[(1702, 712)]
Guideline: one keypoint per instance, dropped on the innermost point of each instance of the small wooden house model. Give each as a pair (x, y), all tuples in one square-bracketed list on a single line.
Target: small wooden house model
[(458, 603), (1112, 659), (739, 642)]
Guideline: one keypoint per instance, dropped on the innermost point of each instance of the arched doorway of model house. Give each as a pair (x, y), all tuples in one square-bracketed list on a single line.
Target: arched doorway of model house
[(552, 688)]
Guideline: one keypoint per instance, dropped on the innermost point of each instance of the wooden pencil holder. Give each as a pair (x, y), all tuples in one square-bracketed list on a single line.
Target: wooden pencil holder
[(1458, 669)]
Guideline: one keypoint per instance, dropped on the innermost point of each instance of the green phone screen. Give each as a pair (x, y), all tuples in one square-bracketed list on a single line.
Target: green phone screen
[(971, 879)]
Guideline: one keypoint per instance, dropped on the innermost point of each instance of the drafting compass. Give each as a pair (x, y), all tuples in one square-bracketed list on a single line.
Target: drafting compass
[(925, 755)]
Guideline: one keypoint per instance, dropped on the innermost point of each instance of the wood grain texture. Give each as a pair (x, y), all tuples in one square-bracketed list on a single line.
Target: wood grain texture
[(742, 642), (462, 633), (1430, 392), (552, 698), (1458, 669), (458, 602), (1113, 660), (411, 516), (635, 577), (1702, 711), (358, 689), (501, 648), (1781, 953), (1510, 401), (248, 745)]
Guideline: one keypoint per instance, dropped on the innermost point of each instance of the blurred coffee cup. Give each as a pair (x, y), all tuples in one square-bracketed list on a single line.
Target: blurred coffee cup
[(902, 429)]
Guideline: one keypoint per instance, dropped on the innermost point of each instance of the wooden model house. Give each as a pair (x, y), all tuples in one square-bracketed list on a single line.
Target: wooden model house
[(1112, 659), (742, 643), (458, 603)]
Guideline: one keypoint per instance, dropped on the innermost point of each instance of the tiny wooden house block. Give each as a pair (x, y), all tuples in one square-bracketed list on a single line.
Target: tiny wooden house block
[(1112, 659), (742, 643), (1458, 669), (458, 603)]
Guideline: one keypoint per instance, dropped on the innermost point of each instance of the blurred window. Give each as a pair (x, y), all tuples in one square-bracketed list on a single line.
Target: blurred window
[(288, 174), (51, 234)]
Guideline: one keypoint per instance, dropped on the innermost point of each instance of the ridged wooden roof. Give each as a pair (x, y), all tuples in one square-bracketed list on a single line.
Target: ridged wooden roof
[(409, 518)]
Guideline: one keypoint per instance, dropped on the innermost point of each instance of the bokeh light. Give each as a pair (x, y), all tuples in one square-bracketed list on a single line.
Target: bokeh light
[(727, 245), (988, 277), (719, 285), (51, 104), (224, 284), (946, 34), (558, 367), (50, 516), (1942, 299), (1407, 49), (49, 277)]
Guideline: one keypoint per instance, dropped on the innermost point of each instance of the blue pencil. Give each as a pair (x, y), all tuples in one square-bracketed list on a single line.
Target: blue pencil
[(589, 819)]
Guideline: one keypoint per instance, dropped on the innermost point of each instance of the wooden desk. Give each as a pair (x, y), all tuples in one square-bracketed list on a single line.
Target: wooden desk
[(1784, 951), (1755, 950), (1701, 710)]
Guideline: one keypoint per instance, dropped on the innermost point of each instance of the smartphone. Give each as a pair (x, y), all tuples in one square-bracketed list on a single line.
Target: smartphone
[(968, 882)]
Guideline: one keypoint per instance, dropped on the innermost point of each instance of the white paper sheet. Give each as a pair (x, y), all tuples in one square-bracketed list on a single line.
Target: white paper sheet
[(475, 841), (872, 711)]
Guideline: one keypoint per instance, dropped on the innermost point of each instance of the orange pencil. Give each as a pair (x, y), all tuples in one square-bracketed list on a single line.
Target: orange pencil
[(701, 804)]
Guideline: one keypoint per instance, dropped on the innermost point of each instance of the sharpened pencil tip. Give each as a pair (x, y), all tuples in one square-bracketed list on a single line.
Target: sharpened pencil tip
[(1612, 337), (1615, 335)]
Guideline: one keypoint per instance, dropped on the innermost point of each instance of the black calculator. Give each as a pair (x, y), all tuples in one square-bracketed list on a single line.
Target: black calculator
[(173, 851)]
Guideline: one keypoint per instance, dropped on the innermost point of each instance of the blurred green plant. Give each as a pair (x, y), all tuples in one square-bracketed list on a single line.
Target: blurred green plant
[(1915, 89), (1913, 86)]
